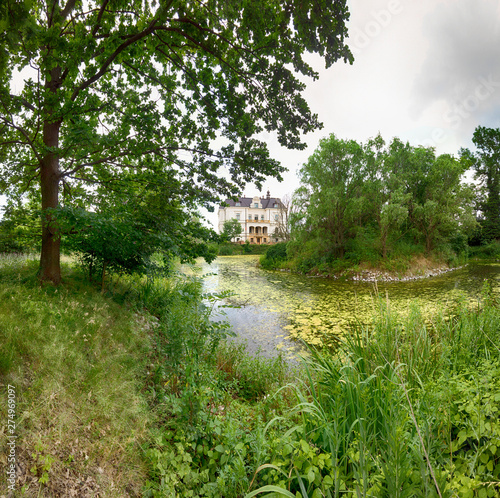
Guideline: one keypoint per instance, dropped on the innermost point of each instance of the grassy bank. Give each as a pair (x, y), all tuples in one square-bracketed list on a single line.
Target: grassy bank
[(129, 394), (408, 261), (230, 249), (138, 393), (77, 363)]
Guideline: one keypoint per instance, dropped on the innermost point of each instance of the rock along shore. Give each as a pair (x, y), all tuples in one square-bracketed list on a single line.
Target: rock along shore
[(381, 276)]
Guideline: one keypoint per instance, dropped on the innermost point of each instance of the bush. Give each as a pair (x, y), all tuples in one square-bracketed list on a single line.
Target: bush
[(491, 250), (274, 256), (226, 250)]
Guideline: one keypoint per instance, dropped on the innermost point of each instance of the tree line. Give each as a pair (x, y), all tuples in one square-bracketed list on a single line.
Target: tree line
[(376, 200)]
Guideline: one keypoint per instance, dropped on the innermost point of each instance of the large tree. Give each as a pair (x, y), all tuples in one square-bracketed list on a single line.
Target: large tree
[(231, 229), (332, 192), (114, 85), (358, 197), (486, 163)]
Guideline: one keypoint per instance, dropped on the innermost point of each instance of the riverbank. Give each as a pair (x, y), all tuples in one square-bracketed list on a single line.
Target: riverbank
[(110, 401), (385, 270), (415, 272), (106, 394), (357, 274)]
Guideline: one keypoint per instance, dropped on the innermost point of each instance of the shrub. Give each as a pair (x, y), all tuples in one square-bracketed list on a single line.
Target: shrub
[(274, 256)]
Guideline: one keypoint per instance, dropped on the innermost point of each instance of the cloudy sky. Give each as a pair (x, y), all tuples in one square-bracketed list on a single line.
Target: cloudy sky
[(427, 71)]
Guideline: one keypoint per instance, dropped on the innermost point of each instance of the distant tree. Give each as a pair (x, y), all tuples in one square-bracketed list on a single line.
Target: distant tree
[(486, 163), (231, 229), (446, 205), (360, 197), (286, 209), (112, 86)]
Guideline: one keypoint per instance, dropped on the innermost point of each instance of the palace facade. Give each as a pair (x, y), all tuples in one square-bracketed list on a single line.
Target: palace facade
[(259, 217)]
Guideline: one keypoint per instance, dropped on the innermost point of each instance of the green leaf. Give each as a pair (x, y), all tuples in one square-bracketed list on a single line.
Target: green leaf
[(270, 489)]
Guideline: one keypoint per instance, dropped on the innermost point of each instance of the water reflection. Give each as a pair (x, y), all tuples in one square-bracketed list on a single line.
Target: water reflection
[(277, 307)]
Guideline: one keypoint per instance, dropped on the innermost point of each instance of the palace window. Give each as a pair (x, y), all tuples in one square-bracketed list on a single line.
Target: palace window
[(238, 204), (256, 205), (256, 217), (238, 216), (262, 217)]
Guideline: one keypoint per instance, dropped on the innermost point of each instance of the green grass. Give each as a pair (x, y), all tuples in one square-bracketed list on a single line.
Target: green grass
[(77, 362), (138, 393)]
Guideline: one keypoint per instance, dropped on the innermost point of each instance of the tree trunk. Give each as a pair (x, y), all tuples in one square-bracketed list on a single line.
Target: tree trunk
[(50, 266), (104, 264)]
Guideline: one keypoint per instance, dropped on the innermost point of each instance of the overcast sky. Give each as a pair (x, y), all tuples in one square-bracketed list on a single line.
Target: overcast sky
[(427, 71)]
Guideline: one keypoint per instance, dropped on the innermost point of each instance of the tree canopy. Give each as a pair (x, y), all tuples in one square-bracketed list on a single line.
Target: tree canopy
[(486, 164), (231, 229), (360, 201), (113, 87)]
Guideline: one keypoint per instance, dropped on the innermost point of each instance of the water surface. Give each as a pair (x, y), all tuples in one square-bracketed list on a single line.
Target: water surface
[(275, 307)]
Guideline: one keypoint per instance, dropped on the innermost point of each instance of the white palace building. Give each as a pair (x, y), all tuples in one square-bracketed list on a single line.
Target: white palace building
[(258, 216)]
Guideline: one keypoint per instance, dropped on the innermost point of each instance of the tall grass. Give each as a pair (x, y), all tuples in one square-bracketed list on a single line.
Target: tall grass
[(77, 362), (406, 407)]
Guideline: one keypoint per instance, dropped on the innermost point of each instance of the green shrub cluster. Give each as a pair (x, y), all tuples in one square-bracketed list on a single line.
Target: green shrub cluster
[(213, 400), (490, 250), (275, 256), (231, 249)]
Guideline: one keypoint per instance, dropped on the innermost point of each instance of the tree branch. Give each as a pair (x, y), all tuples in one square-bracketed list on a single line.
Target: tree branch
[(138, 36), (70, 5), (99, 18), (23, 101)]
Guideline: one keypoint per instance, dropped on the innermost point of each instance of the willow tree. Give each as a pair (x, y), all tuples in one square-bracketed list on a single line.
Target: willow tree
[(91, 88)]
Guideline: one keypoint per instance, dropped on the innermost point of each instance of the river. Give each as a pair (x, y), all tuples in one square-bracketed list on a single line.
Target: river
[(274, 308)]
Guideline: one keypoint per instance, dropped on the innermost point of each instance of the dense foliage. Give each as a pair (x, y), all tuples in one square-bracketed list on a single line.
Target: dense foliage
[(231, 230), (486, 164), (367, 202), (181, 88), (407, 406)]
